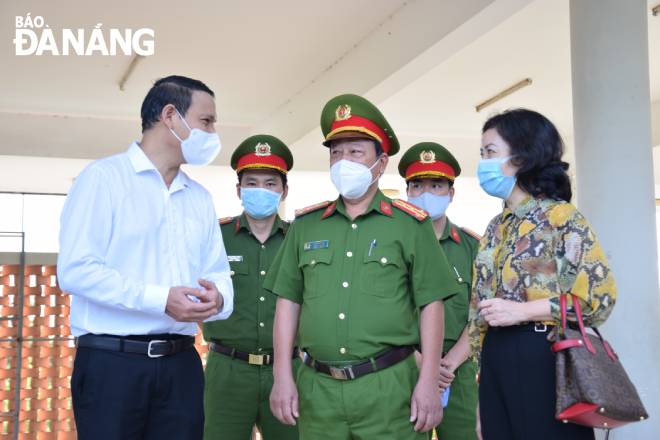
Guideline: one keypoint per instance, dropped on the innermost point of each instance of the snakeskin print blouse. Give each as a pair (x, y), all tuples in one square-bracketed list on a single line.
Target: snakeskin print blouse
[(541, 248)]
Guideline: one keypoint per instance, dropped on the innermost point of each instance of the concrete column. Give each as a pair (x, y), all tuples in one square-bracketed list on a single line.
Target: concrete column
[(611, 106)]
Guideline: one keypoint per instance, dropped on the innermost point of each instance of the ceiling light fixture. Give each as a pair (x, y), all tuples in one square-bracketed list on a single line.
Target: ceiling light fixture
[(504, 93)]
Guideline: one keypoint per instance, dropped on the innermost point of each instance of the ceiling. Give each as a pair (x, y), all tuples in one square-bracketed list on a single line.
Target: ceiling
[(273, 65)]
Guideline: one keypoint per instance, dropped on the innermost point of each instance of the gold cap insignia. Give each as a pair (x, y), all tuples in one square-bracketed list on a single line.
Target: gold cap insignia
[(343, 112), (262, 149), (427, 157)]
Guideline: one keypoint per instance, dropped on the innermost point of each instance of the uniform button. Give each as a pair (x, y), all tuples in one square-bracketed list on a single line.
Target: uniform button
[(354, 226), (231, 273), (261, 298), (345, 284), (349, 254), (263, 272), (259, 349), (261, 324), (342, 350), (342, 316), (313, 262), (263, 246), (383, 260)]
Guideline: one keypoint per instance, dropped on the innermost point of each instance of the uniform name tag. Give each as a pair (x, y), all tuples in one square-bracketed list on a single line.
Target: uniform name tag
[(321, 244), (234, 257)]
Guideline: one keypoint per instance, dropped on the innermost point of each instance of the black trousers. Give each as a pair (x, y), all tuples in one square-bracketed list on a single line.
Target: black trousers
[(517, 388), (126, 396)]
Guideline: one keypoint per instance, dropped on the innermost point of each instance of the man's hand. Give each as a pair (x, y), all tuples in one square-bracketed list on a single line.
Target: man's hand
[(447, 375), (181, 308), (211, 294), (425, 407), (284, 400)]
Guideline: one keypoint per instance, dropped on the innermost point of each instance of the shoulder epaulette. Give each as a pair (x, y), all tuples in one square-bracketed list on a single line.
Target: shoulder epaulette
[(312, 208), (410, 209), (471, 233), (225, 220)]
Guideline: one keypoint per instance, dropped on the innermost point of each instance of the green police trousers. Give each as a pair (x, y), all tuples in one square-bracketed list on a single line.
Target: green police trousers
[(460, 415), (372, 407), (236, 398)]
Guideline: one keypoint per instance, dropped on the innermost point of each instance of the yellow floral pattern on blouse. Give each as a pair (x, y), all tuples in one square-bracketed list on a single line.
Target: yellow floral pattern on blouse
[(538, 250)]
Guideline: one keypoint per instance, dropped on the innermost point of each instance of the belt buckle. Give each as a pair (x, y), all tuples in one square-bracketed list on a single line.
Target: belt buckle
[(150, 346), (539, 327), (345, 373), (255, 359)]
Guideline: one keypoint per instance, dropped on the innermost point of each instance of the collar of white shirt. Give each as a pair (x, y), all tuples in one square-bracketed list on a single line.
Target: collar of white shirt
[(141, 163)]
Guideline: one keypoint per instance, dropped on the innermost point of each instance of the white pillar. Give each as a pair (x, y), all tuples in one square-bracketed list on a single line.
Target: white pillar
[(611, 106)]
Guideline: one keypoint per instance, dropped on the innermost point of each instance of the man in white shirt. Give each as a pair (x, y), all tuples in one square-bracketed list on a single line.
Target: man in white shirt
[(142, 255)]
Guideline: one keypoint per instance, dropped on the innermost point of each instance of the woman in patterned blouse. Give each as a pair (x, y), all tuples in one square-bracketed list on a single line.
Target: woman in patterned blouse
[(537, 248)]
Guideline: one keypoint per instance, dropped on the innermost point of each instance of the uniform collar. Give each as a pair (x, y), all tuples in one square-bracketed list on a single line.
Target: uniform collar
[(141, 163), (380, 203), (241, 222), (450, 231)]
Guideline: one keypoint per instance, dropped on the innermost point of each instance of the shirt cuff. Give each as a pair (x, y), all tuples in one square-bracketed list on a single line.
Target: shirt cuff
[(155, 299)]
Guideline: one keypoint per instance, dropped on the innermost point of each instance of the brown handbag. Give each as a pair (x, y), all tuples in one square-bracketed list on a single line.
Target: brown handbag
[(593, 389)]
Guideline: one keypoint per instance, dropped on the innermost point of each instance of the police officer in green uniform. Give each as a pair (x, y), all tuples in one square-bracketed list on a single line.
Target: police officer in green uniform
[(361, 281), (239, 371), (430, 170)]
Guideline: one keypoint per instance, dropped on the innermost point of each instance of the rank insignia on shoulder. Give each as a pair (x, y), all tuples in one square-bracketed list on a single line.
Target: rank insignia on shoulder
[(471, 233), (312, 208), (410, 209), (320, 244), (225, 220)]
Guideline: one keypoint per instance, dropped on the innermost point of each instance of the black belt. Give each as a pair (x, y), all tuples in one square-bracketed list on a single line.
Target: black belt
[(154, 348), (537, 327), (252, 359), (350, 372)]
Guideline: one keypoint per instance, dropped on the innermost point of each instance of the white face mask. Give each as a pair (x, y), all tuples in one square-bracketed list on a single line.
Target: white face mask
[(200, 147), (351, 179)]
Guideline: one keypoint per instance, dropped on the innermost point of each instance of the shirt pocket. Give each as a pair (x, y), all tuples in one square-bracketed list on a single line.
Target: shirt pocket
[(317, 272), (382, 272), (238, 268)]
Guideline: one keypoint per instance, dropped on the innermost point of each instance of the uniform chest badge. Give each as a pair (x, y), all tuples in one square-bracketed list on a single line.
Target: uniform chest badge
[(262, 149), (427, 157), (234, 258), (320, 244), (343, 112)]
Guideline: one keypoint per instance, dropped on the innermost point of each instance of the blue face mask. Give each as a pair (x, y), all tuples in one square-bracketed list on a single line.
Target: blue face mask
[(259, 202), (492, 180), (433, 204)]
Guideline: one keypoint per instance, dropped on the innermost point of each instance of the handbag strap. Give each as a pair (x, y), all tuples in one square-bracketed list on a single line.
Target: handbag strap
[(578, 316)]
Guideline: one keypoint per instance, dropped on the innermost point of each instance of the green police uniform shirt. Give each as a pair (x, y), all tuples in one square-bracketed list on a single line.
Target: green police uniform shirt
[(460, 248), (360, 282), (250, 326)]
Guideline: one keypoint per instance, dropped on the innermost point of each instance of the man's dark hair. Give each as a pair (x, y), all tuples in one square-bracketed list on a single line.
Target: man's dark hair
[(282, 176), (176, 90)]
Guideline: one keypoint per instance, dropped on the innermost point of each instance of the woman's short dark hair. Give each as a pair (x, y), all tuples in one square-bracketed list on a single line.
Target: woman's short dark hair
[(536, 149), (175, 90)]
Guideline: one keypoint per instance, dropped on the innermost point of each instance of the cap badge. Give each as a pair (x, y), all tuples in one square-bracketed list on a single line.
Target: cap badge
[(262, 149), (427, 157), (343, 112)]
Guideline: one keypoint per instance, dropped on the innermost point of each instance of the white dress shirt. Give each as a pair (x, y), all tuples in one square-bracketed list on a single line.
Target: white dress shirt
[(126, 238)]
